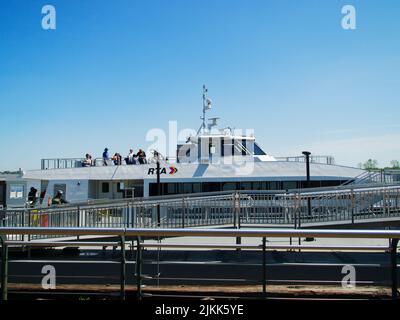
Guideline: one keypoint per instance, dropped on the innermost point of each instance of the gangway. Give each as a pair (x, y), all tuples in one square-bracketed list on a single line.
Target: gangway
[(375, 176), (347, 204)]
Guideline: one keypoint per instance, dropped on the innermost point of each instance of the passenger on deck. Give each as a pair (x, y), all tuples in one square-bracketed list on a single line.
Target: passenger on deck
[(58, 199), (105, 157), (142, 156), (88, 161), (130, 159), (32, 198), (117, 158)]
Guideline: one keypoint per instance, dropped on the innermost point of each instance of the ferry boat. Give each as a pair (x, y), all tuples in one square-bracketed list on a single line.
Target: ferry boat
[(212, 160)]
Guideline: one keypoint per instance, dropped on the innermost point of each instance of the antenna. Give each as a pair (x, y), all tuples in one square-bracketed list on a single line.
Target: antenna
[(213, 123), (206, 106)]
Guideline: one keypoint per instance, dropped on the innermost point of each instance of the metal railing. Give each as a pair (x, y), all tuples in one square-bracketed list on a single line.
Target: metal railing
[(375, 176), (138, 234), (313, 159), (297, 208), (65, 163)]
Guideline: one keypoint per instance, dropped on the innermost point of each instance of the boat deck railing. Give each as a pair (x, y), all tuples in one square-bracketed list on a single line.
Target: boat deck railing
[(297, 209), (322, 159), (125, 236), (65, 163)]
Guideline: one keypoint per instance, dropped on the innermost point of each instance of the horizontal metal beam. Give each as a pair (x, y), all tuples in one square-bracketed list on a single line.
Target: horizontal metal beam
[(191, 232), (63, 231), (61, 243), (268, 247), (199, 246), (195, 246)]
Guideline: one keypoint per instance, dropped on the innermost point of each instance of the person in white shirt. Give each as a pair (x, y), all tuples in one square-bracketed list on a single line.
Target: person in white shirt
[(130, 159), (88, 161)]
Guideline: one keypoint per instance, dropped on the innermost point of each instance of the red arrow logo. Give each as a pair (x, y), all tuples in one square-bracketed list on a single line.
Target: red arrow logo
[(173, 170)]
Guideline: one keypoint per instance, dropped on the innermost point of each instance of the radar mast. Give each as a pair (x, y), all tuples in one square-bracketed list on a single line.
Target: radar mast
[(206, 106)]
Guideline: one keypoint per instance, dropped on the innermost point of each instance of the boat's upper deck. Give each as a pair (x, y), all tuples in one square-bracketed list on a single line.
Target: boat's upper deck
[(282, 170)]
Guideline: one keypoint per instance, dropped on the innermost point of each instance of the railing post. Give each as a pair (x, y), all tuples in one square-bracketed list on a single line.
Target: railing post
[(130, 212), (139, 269), (393, 258), (78, 209), (183, 213), (134, 215), (264, 267), (299, 217), (238, 210), (296, 205), (22, 218), (4, 267), (352, 205), (299, 221), (30, 222), (237, 217), (297, 208), (123, 268), (386, 209), (234, 209), (127, 215)]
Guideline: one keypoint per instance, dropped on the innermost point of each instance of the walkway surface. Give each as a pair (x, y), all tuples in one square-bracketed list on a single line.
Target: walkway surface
[(282, 291)]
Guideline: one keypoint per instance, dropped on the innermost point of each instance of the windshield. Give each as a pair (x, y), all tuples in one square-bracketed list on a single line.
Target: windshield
[(258, 151)]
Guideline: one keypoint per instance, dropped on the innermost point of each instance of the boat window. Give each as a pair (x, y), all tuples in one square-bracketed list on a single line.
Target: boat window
[(330, 183), (289, 185), (196, 187), (257, 185), (229, 186), (185, 188), (171, 188), (258, 151), (315, 184), (182, 188), (211, 186), (244, 148), (275, 185), (245, 185), (263, 185), (16, 191), (152, 189), (138, 191), (105, 187)]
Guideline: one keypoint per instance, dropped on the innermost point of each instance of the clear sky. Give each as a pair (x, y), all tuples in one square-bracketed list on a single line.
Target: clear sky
[(113, 70)]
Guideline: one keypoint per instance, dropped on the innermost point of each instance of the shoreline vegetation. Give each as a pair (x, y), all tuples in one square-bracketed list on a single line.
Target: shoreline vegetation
[(372, 164)]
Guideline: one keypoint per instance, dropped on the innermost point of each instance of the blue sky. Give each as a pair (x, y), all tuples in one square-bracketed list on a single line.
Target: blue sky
[(113, 70)]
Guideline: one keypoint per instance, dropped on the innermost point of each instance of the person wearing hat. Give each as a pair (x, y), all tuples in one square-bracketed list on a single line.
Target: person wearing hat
[(106, 157), (58, 199)]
